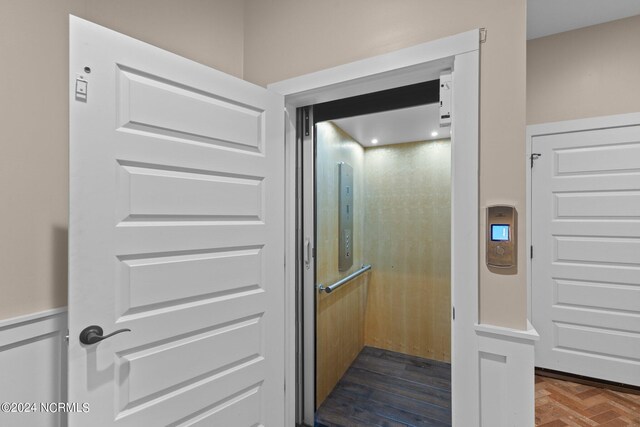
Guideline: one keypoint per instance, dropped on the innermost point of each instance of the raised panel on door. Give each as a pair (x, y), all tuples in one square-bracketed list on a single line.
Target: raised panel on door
[(586, 268), (177, 233)]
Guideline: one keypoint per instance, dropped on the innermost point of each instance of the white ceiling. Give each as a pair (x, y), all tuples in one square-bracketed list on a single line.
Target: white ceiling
[(395, 126), (546, 17)]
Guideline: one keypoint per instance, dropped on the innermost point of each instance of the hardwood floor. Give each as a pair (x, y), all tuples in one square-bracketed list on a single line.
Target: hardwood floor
[(562, 403), (387, 389)]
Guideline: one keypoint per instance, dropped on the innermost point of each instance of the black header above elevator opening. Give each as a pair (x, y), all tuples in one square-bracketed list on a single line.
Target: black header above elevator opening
[(375, 102)]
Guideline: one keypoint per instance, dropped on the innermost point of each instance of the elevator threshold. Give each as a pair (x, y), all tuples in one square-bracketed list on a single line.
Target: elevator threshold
[(385, 388)]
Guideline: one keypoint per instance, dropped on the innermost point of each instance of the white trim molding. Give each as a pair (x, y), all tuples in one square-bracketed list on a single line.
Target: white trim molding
[(399, 68), (33, 366), (506, 364)]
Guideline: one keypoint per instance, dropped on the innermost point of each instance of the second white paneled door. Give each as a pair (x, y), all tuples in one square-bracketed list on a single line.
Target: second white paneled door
[(176, 233), (586, 262)]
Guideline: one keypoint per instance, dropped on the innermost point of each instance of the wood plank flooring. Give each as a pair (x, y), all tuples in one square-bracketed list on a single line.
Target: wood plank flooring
[(562, 403), (387, 389)]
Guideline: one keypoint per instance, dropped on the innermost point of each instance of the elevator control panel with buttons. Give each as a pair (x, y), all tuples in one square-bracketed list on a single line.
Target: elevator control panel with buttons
[(502, 249), (345, 219)]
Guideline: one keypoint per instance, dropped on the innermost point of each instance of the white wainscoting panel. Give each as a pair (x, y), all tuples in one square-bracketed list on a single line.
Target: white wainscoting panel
[(507, 385), (33, 364)]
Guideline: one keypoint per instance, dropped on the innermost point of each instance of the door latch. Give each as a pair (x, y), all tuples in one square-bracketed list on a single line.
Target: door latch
[(307, 253), (534, 157)]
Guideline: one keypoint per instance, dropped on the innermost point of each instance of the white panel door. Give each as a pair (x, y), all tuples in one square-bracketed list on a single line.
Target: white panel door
[(586, 241), (176, 233)]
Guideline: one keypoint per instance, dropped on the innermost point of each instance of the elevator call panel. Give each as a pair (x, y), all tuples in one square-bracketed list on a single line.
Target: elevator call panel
[(345, 217), (502, 248)]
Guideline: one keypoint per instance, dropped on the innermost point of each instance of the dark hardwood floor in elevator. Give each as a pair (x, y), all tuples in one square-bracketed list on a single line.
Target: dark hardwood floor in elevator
[(388, 389)]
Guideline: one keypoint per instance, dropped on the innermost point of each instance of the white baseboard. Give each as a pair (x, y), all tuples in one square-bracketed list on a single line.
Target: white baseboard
[(507, 385), (33, 360)]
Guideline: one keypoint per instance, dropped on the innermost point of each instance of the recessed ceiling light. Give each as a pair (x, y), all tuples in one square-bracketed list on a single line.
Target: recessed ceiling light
[(374, 141), (434, 133)]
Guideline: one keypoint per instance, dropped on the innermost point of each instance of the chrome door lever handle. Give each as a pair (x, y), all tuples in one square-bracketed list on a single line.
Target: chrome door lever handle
[(93, 334)]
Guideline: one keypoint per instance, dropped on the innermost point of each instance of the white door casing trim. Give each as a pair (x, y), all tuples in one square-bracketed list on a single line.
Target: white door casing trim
[(406, 66), (566, 126)]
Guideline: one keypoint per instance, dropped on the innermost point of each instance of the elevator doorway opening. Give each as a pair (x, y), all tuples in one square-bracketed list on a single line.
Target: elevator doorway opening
[(376, 244)]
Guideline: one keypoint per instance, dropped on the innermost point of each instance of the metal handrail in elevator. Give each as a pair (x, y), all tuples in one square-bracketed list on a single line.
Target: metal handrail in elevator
[(329, 289)]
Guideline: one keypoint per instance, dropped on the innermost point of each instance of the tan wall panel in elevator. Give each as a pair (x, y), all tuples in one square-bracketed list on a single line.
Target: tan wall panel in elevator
[(340, 314), (408, 228)]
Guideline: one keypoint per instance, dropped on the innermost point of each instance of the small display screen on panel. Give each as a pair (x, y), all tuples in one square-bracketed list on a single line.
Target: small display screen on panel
[(499, 232)]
